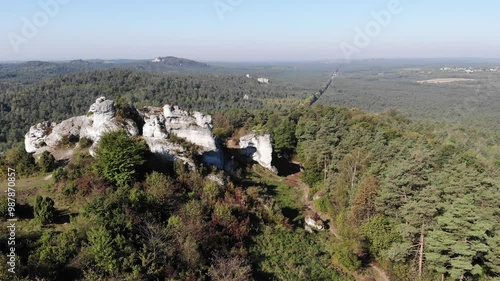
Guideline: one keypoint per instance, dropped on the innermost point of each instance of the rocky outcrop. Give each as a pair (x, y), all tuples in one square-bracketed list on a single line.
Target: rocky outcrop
[(312, 224), (35, 137), (99, 120), (168, 151), (195, 128), (158, 124), (259, 148)]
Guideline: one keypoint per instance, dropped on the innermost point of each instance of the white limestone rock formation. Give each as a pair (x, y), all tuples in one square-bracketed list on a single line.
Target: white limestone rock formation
[(154, 123), (168, 151), (157, 125), (259, 148), (313, 224), (35, 137), (195, 128), (99, 120), (69, 127)]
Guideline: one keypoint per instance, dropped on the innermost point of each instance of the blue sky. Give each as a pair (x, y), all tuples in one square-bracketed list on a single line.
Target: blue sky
[(246, 30)]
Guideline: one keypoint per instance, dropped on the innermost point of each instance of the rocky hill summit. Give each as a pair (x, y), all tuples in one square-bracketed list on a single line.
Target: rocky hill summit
[(169, 131)]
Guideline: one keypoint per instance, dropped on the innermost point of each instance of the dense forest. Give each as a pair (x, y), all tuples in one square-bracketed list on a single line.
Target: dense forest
[(405, 199)]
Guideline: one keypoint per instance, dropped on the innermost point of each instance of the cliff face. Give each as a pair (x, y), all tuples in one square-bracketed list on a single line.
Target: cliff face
[(259, 148)]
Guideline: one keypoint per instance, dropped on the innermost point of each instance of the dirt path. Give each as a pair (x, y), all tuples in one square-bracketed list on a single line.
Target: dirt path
[(295, 180), (382, 276)]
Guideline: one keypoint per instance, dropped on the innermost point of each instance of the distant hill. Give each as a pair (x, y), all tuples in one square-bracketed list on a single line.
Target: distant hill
[(38, 70), (175, 61)]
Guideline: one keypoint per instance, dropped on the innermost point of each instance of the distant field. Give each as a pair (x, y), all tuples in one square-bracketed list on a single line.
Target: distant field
[(444, 80)]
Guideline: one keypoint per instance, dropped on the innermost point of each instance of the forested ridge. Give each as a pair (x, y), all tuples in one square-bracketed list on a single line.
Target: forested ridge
[(419, 200)]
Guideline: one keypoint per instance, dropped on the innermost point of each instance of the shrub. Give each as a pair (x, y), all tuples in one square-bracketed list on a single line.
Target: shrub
[(70, 189), (44, 210), (59, 174), (47, 162), (85, 142), (18, 159)]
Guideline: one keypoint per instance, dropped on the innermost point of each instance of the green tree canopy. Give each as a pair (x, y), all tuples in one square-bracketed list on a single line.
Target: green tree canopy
[(44, 209), (458, 241), (120, 157)]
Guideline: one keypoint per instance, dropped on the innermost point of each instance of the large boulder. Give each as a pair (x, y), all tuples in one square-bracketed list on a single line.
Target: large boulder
[(259, 148)]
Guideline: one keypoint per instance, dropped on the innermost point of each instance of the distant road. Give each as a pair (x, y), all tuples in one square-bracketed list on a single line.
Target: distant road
[(322, 91)]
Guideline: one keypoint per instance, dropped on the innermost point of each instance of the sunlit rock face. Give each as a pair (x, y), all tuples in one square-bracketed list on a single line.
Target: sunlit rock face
[(158, 124), (35, 137), (194, 128), (259, 148), (99, 120)]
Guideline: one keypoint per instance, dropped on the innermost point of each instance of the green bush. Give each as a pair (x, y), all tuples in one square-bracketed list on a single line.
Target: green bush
[(44, 210), (323, 204), (70, 189), (85, 142), (344, 255), (59, 174), (47, 162), (17, 158)]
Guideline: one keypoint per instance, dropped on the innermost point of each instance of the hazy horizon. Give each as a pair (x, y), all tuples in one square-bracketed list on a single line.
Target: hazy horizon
[(239, 30)]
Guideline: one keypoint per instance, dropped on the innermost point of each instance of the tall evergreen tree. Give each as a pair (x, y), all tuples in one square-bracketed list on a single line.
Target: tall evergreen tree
[(455, 246)]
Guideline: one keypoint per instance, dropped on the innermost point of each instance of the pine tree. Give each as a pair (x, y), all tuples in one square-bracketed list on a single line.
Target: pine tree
[(459, 239), (493, 255), (44, 209)]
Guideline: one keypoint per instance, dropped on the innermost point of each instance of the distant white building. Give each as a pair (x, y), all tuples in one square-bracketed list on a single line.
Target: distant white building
[(248, 76), (158, 59), (263, 80)]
